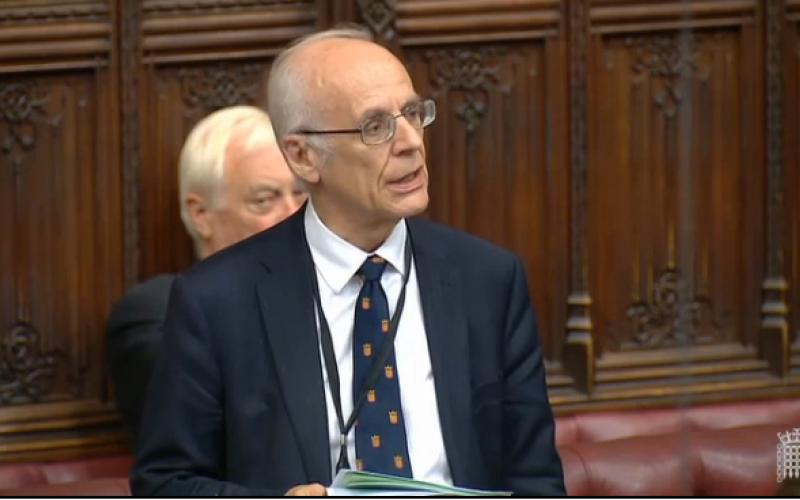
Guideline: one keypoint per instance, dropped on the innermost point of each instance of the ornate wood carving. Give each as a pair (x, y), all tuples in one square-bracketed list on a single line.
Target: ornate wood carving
[(579, 348), (675, 213), (666, 58), (53, 12), (775, 311), (672, 316), (425, 23), (210, 88), (231, 33), (41, 46), (26, 373), (578, 142), (21, 111), (489, 169), (642, 15), (468, 71), (131, 150), (173, 6), (380, 16), (774, 60), (39, 36)]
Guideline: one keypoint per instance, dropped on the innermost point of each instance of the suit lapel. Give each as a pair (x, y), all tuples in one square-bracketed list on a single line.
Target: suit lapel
[(285, 297), (446, 329)]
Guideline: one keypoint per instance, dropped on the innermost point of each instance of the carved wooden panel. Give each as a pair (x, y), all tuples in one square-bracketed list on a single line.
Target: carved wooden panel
[(637, 16), (60, 262), (495, 153), (774, 324), (436, 22), (54, 35), (791, 64), (676, 200), (179, 31), (488, 150), (664, 192)]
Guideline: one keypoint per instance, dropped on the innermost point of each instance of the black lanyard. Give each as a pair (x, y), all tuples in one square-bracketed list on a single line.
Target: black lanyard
[(330, 358)]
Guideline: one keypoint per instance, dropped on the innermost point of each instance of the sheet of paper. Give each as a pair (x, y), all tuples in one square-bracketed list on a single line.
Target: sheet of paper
[(358, 483)]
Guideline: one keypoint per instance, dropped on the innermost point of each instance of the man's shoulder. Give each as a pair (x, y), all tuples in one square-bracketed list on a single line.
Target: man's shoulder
[(241, 262), (151, 293), (155, 286), (145, 301)]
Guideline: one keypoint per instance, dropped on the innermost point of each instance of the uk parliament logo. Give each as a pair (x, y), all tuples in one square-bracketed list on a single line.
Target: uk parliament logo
[(789, 455)]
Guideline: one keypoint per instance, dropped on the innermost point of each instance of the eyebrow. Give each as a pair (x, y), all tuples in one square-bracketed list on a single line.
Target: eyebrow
[(259, 188), (375, 111)]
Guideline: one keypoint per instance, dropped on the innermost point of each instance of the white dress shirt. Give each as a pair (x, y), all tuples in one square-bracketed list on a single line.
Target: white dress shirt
[(336, 262)]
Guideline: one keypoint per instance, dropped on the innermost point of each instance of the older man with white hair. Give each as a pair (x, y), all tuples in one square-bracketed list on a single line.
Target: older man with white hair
[(233, 182), (353, 335)]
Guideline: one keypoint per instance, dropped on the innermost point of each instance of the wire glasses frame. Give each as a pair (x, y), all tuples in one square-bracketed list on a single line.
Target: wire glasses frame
[(382, 127)]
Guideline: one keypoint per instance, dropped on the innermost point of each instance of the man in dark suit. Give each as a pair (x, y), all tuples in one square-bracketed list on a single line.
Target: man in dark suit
[(351, 334), (133, 344), (233, 182)]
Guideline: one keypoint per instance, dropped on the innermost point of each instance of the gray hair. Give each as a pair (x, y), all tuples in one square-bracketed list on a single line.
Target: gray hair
[(290, 103), (201, 168)]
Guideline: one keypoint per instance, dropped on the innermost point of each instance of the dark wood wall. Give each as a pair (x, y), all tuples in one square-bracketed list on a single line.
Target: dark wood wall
[(641, 157)]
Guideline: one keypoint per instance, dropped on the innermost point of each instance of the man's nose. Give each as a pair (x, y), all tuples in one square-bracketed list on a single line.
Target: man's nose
[(407, 137)]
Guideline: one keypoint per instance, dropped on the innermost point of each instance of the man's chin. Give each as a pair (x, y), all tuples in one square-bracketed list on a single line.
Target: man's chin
[(414, 205)]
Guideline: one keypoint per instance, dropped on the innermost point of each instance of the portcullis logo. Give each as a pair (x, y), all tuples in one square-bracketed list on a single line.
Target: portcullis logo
[(789, 455)]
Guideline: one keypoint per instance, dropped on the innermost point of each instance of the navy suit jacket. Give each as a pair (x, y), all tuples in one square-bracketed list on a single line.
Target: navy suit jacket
[(133, 344), (237, 406)]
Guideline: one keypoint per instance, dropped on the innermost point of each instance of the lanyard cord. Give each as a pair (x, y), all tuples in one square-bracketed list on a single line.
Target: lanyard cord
[(333, 371)]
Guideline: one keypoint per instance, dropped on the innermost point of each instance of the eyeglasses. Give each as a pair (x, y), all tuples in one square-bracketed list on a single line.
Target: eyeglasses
[(381, 128)]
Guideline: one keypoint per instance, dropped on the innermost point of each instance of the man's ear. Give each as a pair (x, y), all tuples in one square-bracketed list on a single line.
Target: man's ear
[(303, 160), (198, 210)]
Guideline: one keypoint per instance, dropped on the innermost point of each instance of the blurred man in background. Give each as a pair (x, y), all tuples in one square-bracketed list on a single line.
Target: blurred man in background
[(233, 183)]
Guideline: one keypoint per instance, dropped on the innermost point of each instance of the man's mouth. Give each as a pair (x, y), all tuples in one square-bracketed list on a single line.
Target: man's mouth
[(409, 182)]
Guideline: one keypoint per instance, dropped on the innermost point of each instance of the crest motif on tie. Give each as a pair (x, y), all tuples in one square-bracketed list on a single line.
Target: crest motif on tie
[(380, 442)]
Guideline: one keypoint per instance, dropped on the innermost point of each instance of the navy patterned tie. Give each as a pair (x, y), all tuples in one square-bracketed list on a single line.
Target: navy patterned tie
[(381, 444)]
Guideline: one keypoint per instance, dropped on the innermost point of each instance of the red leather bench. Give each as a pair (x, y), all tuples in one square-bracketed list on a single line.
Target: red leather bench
[(107, 476), (720, 449)]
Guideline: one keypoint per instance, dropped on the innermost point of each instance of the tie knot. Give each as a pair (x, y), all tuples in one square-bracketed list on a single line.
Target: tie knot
[(373, 267)]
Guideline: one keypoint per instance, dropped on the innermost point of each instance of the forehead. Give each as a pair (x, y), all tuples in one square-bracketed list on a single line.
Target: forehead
[(353, 75)]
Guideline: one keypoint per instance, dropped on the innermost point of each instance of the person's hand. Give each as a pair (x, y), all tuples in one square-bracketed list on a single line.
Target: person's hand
[(307, 490)]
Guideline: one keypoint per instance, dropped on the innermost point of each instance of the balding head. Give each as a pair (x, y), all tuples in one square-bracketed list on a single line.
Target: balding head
[(301, 76), (349, 123)]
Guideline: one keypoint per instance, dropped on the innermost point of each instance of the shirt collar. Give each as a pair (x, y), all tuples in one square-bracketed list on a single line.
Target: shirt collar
[(338, 260)]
